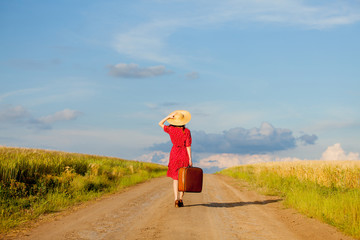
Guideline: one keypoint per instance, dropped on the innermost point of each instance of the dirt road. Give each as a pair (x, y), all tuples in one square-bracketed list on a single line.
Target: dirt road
[(224, 210)]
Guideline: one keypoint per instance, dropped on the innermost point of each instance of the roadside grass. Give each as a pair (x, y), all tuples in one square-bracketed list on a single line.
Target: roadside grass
[(326, 190), (34, 182)]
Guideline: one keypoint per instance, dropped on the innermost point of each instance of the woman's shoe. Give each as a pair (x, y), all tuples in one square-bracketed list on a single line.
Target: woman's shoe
[(181, 203), (177, 203)]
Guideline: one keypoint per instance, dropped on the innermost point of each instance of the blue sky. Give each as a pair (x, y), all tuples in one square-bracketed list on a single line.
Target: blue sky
[(264, 80)]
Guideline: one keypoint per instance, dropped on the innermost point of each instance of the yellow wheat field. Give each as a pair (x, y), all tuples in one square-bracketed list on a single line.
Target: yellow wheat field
[(343, 174)]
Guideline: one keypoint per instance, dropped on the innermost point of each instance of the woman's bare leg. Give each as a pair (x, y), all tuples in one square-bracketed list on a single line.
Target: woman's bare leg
[(176, 191), (181, 195)]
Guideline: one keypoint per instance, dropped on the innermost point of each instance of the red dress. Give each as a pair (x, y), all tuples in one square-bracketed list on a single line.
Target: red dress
[(178, 155)]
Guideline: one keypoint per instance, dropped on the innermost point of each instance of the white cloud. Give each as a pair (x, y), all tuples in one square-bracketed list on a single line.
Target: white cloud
[(134, 71), (227, 160), (224, 160), (155, 157), (64, 115), (20, 116), (335, 152), (10, 113)]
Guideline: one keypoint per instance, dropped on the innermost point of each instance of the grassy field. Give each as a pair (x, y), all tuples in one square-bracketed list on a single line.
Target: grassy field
[(35, 182), (326, 190)]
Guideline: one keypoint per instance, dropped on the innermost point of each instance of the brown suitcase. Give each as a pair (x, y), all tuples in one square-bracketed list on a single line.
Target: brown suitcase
[(190, 179)]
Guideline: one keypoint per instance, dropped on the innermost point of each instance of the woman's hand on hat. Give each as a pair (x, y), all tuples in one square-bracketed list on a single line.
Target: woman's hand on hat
[(171, 116)]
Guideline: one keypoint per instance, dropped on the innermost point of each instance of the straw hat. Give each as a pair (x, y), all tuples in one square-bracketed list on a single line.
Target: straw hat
[(181, 117)]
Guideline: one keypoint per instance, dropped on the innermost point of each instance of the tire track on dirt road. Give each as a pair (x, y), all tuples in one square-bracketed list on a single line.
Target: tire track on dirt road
[(224, 210)]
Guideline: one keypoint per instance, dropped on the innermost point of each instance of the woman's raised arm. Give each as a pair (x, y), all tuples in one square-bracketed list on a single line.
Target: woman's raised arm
[(161, 123)]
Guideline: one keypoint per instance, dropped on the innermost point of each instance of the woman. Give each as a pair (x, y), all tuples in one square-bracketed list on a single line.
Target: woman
[(180, 154)]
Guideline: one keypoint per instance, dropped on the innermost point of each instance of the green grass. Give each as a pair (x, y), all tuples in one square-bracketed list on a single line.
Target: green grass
[(35, 182), (337, 206)]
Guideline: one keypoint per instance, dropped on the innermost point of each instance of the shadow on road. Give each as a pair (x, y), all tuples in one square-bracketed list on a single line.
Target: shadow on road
[(233, 204)]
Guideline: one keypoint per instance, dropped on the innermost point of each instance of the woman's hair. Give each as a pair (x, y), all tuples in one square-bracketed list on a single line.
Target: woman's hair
[(182, 126)]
